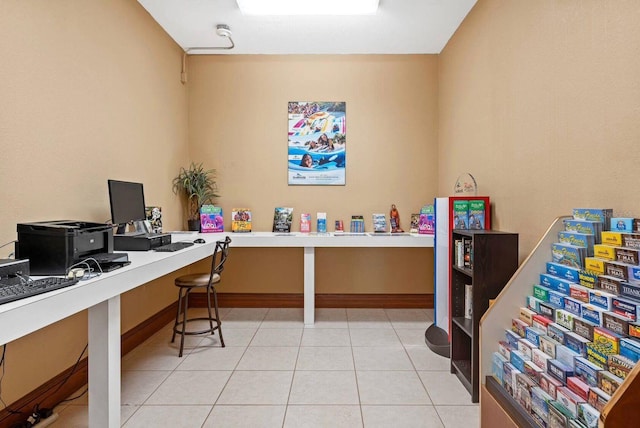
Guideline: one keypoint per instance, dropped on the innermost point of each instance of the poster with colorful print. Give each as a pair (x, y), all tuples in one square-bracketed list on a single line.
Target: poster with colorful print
[(317, 143)]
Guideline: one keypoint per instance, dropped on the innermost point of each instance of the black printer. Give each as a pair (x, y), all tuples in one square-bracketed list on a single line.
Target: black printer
[(52, 247)]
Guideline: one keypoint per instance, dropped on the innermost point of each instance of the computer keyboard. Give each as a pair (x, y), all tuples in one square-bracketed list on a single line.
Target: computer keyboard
[(174, 246), (18, 288)]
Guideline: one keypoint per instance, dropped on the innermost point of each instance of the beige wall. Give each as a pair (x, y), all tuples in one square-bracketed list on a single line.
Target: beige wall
[(90, 90), (238, 125), (539, 101)]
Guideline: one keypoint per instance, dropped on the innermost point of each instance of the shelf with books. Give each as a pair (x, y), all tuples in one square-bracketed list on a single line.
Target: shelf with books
[(492, 260)]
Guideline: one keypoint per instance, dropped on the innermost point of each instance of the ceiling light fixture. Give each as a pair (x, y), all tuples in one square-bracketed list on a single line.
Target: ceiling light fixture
[(308, 7)]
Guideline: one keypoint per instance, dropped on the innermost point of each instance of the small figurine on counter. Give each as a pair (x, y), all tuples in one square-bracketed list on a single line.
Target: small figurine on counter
[(394, 219)]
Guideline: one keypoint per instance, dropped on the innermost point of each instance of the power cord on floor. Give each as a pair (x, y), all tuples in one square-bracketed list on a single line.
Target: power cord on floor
[(35, 418)]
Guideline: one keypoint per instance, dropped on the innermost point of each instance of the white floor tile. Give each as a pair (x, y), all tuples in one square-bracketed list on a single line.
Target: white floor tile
[(245, 417), (78, 416), (381, 358), (324, 387), (212, 358), (257, 387), (156, 357), (323, 417), (459, 416), (284, 318), (274, 372), (330, 318), (168, 416), (391, 388), (232, 337), (138, 385), (409, 318), (244, 318), (401, 416), (325, 358), (190, 388), (368, 318), (445, 388), (326, 337), (277, 337), (268, 358), (411, 336), (425, 359), (373, 337)]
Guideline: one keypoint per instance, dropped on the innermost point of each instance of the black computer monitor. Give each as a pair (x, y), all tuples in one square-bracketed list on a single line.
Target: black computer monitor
[(127, 204)]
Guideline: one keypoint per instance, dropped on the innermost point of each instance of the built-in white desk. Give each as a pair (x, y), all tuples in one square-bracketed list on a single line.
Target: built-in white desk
[(311, 241), (101, 296)]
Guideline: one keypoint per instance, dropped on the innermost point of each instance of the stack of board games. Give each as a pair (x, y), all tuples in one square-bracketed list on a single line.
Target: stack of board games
[(577, 335)]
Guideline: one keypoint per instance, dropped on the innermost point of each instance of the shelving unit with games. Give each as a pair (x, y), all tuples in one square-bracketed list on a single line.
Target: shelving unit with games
[(482, 262), (501, 407)]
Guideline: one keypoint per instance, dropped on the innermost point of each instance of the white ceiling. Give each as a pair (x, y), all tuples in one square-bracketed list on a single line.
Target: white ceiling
[(399, 27)]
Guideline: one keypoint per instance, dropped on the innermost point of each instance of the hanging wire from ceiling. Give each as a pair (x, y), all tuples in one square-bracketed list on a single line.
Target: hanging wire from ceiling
[(222, 30)]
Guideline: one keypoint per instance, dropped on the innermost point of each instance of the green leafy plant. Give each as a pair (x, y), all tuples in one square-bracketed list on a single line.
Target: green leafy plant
[(198, 185)]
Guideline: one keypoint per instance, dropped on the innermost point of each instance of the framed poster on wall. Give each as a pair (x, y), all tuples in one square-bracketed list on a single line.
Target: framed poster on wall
[(317, 143)]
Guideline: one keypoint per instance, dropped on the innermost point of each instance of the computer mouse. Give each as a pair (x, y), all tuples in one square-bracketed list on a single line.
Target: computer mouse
[(199, 241)]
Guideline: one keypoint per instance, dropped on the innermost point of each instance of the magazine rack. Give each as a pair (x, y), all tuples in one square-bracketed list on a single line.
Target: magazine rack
[(497, 409)]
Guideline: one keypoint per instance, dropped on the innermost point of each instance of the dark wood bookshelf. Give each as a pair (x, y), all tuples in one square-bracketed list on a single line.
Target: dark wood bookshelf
[(493, 261)]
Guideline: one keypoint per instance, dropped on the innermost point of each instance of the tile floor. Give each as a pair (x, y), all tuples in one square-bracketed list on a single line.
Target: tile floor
[(353, 368)]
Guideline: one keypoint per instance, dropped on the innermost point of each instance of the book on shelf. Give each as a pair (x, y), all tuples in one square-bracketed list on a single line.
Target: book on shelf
[(458, 253), (282, 219), (467, 245), (415, 222), (241, 220), (427, 220), (379, 223), (357, 224), (305, 222), (321, 222), (463, 252), (468, 301)]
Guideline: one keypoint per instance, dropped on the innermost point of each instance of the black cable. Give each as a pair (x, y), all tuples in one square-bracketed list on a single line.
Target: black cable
[(75, 366), (11, 411), (10, 242), (76, 397), (73, 369)]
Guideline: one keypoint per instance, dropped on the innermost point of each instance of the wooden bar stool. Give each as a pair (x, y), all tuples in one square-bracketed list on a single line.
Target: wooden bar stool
[(208, 281)]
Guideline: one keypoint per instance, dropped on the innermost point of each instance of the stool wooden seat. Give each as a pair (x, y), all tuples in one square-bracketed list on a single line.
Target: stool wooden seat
[(195, 281)]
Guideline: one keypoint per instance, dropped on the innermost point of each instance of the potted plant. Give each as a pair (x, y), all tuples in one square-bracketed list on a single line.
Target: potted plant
[(199, 187)]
